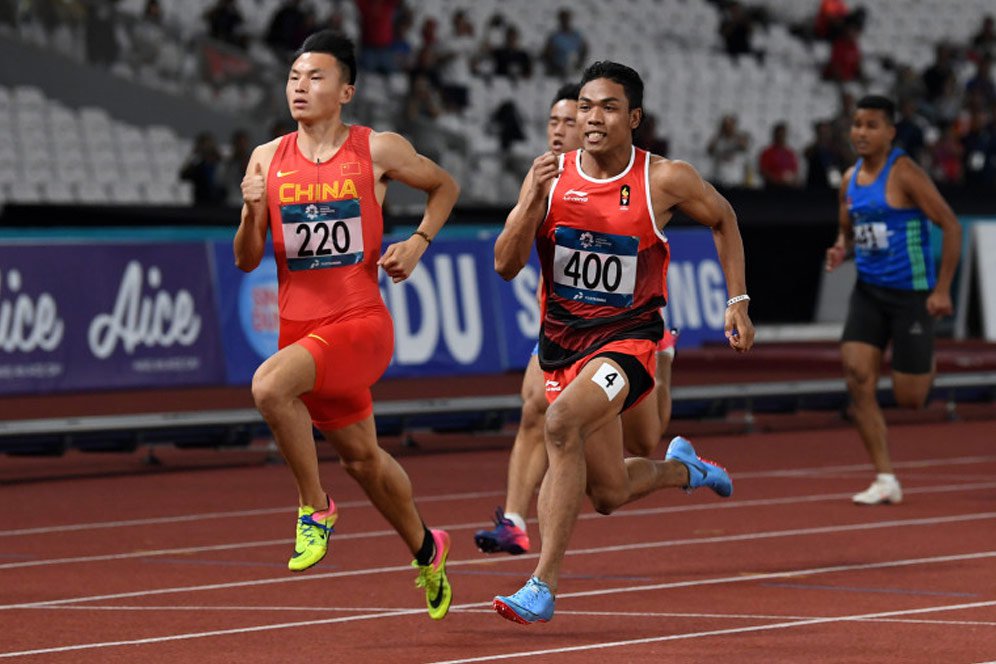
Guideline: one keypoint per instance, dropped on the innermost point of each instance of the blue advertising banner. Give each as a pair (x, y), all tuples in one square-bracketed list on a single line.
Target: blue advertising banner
[(696, 288), (518, 313), (104, 316), (444, 321), (247, 312), (446, 314)]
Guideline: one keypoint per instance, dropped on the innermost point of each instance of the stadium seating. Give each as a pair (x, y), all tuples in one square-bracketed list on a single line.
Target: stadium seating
[(675, 44), (53, 154)]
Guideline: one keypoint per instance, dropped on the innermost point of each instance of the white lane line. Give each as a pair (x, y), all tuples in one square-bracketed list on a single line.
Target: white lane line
[(217, 632), (766, 474), (792, 532), (825, 470), (227, 608), (560, 612), (720, 632), (130, 523), (650, 511), (506, 559), (764, 576), (475, 605)]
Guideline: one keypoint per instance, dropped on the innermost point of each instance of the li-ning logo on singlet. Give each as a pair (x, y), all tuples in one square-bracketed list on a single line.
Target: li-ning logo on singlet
[(576, 196), (322, 235)]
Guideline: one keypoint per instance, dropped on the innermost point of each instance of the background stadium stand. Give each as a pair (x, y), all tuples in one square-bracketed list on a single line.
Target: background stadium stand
[(100, 107), (676, 45)]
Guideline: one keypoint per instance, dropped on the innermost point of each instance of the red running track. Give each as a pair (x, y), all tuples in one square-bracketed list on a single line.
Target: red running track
[(189, 565)]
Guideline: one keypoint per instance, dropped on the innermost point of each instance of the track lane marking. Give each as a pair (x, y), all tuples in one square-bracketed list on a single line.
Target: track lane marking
[(494, 561), (699, 582), (720, 632), (766, 474), (649, 511), (488, 610)]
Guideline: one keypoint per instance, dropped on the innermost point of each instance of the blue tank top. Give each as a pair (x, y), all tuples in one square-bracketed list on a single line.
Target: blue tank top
[(891, 245)]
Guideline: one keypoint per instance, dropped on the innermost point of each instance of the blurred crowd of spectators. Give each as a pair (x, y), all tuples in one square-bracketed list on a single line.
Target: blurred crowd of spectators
[(436, 64), (946, 124), (948, 127)]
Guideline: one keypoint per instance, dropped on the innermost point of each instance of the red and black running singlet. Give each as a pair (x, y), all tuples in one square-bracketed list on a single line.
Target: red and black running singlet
[(604, 262), (327, 229)]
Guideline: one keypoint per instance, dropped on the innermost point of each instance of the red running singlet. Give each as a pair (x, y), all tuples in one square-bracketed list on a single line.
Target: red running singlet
[(327, 229), (604, 262)]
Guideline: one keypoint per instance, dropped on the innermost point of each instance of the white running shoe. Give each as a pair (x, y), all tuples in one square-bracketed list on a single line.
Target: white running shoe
[(880, 491)]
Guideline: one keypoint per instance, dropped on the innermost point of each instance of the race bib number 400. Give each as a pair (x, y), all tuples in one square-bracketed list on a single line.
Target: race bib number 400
[(321, 235), (595, 268)]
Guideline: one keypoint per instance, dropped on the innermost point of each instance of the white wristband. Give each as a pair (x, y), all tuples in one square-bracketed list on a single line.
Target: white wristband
[(737, 298)]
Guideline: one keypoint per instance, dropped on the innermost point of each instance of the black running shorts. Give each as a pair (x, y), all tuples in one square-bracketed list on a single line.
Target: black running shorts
[(877, 315)]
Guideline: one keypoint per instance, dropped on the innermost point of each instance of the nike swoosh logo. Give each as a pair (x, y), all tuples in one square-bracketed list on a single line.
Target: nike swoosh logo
[(281, 174), (438, 599)]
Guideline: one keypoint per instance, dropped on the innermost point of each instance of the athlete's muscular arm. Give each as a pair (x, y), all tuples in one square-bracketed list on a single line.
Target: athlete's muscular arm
[(679, 184), (394, 158), (921, 190), (516, 239), (844, 246), (250, 239)]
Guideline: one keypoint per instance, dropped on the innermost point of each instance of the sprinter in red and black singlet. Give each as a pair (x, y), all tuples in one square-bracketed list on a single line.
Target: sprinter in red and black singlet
[(643, 425), (319, 191), (604, 270), (598, 233)]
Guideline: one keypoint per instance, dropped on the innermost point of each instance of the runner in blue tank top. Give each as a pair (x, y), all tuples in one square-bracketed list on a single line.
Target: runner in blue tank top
[(886, 200)]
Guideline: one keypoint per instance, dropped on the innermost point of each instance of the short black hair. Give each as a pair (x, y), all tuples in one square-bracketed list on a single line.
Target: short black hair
[(879, 103), (568, 91), (336, 44), (625, 76)]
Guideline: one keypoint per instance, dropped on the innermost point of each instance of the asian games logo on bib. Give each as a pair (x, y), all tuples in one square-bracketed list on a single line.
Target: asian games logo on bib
[(586, 240), (311, 212)]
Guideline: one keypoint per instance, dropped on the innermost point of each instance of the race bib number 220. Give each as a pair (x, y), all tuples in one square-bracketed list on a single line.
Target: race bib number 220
[(322, 235)]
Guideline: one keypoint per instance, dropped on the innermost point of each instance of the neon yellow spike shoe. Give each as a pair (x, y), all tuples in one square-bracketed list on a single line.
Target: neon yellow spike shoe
[(313, 530), (432, 577)]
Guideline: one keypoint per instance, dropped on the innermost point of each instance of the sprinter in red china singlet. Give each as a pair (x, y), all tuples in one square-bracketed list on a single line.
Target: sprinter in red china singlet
[(319, 192), (596, 216)]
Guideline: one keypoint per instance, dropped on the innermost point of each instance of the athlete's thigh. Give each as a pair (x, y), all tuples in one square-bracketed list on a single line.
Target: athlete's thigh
[(867, 317), (912, 334), (593, 398), (533, 392), (603, 456), (350, 355), (911, 390), (641, 426), (291, 369), (862, 361)]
